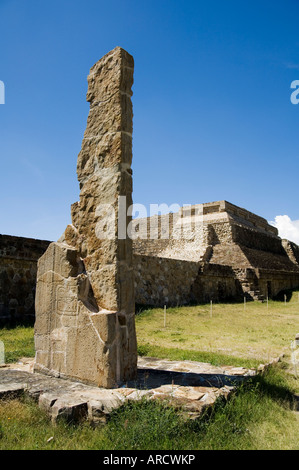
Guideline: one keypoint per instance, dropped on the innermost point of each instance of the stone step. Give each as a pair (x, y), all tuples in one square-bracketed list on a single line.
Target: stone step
[(256, 295), (189, 386)]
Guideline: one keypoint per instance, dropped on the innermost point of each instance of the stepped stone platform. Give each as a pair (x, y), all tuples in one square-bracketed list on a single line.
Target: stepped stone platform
[(189, 386)]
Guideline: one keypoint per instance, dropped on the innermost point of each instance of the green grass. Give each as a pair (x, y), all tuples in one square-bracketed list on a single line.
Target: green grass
[(18, 342), (175, 354), (229, 334), (258, 416)]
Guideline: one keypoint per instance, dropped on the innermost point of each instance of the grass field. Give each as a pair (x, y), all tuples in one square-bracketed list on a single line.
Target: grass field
[(18, 342), (259, 416), (230, 334)]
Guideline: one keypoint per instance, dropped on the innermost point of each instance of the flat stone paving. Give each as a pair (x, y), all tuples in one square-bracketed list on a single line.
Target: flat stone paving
[(188, 386)]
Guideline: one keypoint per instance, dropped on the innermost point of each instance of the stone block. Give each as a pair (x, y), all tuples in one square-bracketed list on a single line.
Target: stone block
[(71, 410), (86, 280)]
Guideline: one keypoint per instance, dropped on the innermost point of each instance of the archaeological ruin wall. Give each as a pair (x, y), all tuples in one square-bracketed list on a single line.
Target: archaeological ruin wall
[(18, 268), (236, 254), (164, 281), (239, 254)]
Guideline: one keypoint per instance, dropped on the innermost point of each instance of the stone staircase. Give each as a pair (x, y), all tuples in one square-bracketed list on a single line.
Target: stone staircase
[(249, 286), (255, 295)]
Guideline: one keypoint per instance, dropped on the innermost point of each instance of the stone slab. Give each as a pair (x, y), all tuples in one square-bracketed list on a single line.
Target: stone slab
[(188, 386)]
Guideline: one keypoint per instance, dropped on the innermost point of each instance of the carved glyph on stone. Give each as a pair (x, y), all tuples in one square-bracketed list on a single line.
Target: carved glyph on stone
[(85, 325)]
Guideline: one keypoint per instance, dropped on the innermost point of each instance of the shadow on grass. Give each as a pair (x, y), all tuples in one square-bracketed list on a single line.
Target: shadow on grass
[(251, 401), (272, 384)]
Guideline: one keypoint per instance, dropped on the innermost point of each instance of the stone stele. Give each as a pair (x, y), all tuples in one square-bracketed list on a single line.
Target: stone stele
[(85, 326)]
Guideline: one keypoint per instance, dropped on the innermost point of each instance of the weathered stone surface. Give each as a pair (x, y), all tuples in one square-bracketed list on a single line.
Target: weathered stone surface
[(85, 327), (214, 251), (11, 390), (224, 253), (70, 409), (188, 386), (18, 266)]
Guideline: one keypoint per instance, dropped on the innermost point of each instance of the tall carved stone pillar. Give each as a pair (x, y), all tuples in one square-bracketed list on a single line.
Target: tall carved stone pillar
[(85, 326)]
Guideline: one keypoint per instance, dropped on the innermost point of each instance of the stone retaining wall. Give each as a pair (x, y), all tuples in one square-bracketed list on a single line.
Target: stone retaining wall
[(18, 266), (217, 283), (232, 253), (164, 281)]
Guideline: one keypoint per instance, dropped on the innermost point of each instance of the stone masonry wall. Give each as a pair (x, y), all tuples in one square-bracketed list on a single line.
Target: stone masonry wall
[(188, 233), (217, 283), (18, 267), (292, 250), (170, 282), (257, 239), (238, 253), (271, 283), (162, 281)]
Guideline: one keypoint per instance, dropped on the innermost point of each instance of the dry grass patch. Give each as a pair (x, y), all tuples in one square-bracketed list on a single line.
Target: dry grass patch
[(254, 332)]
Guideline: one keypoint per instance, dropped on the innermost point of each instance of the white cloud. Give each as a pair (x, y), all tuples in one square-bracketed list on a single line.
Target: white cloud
[(287, 228)]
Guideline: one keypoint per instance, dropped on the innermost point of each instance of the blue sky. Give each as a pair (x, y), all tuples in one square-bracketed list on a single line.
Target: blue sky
[(213, 118)]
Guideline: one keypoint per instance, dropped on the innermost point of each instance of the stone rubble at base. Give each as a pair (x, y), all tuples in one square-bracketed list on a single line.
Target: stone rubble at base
[(188, 386)]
